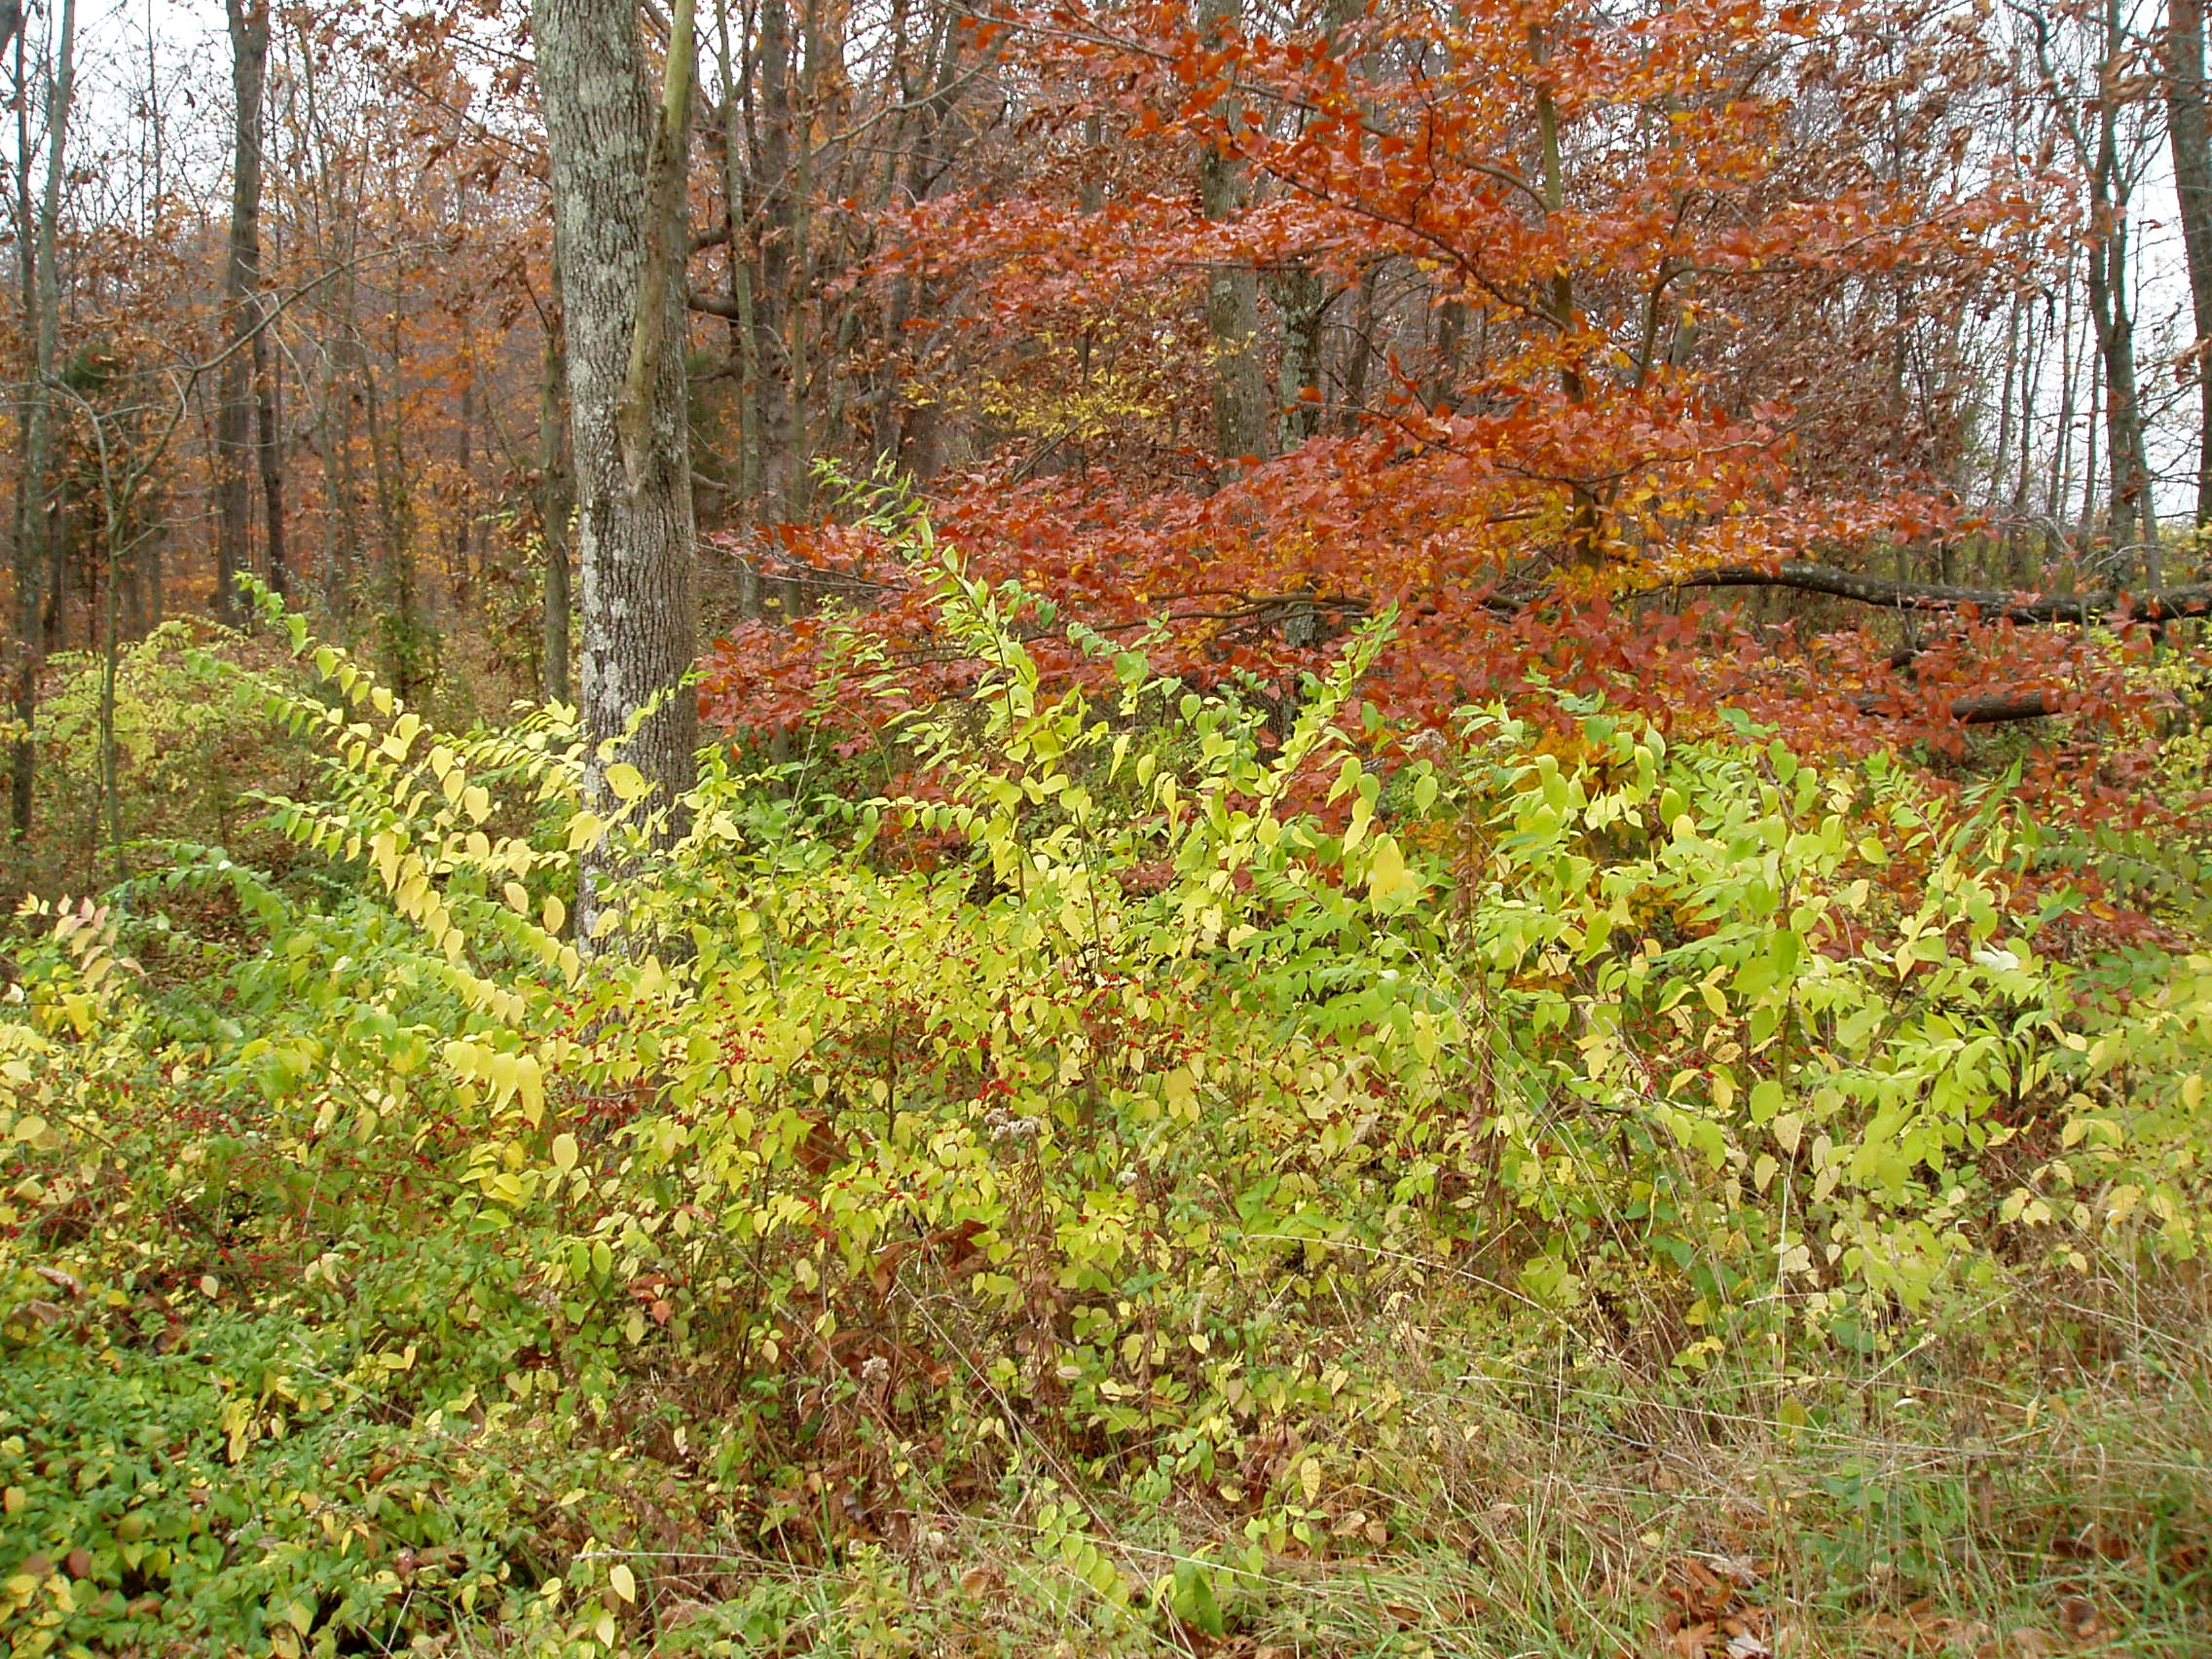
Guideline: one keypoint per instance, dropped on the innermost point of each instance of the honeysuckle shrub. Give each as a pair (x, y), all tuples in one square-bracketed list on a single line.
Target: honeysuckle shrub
[(1093, 1098)]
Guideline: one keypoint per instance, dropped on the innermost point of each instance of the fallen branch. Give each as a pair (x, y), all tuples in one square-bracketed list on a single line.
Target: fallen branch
[(1985, 707), (2021, 608), (1994, 708)]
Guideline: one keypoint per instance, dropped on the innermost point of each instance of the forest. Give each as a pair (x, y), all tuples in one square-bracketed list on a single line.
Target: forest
[(1268, 829)]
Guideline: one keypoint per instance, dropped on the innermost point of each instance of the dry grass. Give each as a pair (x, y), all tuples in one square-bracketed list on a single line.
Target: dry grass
[(2031, 1481)]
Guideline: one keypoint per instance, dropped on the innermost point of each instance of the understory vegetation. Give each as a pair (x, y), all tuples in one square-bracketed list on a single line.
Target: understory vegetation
[(1107, 1170)]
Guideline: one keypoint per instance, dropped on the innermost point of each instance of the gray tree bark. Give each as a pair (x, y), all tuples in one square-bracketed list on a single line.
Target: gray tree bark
[(554, 501), (634, 533), (1302, 300), (1232, 293), (2133, 518), (779, 418)]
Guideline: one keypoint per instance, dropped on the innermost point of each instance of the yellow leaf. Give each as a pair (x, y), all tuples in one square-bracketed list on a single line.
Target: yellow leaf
[(402, 735), (622, 1582), (1362, 814), (1387, 873), (626, 782), (563, 1152)]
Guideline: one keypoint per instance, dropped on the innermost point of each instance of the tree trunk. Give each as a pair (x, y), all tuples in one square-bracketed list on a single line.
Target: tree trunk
[(1302, 299), (773, 311), (392, 583), (29, 566), (242, 278), (554, 501), (2060, 490), (744, 340), (465, 485), (1586, 535), (2133, 520), (2129, 508), (267, 380), (635, 531), (2191, 137), (1359, 348), (38, 538), (2013, 368), (1232, 292)]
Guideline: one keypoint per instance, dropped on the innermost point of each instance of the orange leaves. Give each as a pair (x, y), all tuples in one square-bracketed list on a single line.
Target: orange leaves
[(1548, 379), (1715, 1611)]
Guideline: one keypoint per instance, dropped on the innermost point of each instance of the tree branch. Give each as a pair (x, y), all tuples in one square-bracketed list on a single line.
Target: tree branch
[(714, 305)]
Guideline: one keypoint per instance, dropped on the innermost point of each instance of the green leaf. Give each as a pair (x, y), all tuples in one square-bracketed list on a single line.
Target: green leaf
[(1191, 1598)]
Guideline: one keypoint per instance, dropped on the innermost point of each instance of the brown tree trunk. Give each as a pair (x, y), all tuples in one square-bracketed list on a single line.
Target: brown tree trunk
[(241, 279), (29, 566), (268, 380), (1586, 535)]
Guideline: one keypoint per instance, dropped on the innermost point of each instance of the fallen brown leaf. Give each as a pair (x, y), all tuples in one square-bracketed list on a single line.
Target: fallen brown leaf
[(2078, 1615)]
